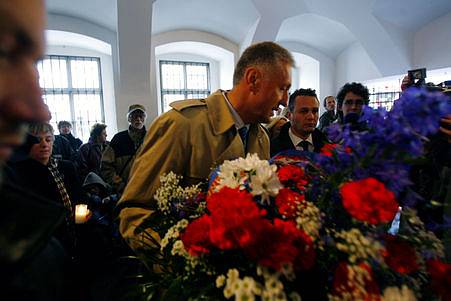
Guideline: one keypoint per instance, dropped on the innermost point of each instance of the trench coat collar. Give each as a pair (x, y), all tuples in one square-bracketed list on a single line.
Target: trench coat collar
[(221, 119)]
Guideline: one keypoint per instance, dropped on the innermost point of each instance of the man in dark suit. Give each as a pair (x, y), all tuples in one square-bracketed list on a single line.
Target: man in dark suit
[(300, 133)]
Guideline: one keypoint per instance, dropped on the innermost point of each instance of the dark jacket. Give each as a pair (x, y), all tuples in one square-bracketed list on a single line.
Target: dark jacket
[(283, 141), (118, 157), (327, 119), (36, 178), (75, 143), (62, 149), (89, 158), (28, 248)]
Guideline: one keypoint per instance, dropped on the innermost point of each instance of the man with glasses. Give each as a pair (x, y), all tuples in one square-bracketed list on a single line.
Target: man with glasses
[(352, 97), (118, 157)]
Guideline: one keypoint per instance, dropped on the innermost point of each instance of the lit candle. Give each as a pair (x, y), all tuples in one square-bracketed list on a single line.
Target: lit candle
[(81, 213)]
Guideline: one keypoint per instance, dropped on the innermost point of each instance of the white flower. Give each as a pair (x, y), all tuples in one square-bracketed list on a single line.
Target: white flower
[(178, 248), (173, 233), (220, 281), (358, 246), (393, 293), (258, 175)]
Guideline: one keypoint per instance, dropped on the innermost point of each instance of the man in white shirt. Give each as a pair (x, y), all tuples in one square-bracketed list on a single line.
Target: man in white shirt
[(300, 133)]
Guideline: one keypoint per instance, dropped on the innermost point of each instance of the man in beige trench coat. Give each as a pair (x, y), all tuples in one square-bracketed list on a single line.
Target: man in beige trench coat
[(197, 135)]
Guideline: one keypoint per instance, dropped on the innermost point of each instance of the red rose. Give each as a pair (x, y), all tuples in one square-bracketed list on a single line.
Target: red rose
[(342, 284), (196, 236), (288, 202), (400, 256), (234, 219), (369, 201), (441, 278)]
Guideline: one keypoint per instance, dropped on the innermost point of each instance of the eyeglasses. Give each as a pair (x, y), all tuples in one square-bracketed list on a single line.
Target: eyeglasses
[(350, 102)]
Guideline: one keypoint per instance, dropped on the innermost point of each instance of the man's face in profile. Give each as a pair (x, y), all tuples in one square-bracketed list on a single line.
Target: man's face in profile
[(22, 25)]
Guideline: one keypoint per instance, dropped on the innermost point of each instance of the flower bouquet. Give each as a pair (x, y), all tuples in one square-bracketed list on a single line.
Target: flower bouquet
[(339, 225)]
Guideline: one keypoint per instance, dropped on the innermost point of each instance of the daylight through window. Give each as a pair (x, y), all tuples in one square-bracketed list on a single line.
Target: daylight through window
[(183, 80), (72, 88)]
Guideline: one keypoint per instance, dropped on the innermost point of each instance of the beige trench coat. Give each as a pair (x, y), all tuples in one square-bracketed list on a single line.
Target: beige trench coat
[(190, 140)]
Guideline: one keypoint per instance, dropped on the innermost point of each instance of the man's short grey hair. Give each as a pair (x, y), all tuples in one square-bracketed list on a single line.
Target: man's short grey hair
[(36, 128), (268, 54)]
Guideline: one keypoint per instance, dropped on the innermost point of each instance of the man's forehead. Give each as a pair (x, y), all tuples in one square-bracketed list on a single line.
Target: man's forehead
[(307, 101)]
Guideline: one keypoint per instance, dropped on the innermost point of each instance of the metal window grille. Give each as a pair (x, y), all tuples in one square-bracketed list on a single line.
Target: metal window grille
[(383, 99), (72, 88), (183, 80)]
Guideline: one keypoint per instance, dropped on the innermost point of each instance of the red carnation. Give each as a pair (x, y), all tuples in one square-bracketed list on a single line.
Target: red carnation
[(282, 243), (400, 255), (291, 173), (196, 236), (441, 278), (288, 202), (369, 201), (234, 218), (342, 284)]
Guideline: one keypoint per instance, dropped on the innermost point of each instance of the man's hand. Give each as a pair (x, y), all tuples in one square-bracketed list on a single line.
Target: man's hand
[(406, 83)]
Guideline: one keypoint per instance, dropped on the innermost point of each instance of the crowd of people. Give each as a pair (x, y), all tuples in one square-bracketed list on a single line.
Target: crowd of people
[(45, 176)]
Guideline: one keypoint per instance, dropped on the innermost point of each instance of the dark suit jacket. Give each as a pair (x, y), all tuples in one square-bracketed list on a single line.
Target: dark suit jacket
[(283, 141)]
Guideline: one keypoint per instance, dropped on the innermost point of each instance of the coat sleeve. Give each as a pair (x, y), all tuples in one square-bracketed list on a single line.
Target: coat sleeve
[(108, 166), (166, 148)]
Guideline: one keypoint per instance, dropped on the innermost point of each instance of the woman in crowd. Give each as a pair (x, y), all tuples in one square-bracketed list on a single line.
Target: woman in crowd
[(90, 154)]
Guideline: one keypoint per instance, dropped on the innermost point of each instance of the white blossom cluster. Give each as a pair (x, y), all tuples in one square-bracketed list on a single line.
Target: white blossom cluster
[(170, 189), (394, 293), (248, 288), (358, 246), (259, 175), (357, 277), (173, 233), (309, 219)]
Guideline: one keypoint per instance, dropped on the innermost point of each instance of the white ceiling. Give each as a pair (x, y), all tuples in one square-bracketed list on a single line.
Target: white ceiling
[(101, 12), (233, 19), (411, 14), (230, 19), (326, 35)]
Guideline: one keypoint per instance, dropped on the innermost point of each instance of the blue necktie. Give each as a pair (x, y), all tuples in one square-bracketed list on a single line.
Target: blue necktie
[(243, 134)]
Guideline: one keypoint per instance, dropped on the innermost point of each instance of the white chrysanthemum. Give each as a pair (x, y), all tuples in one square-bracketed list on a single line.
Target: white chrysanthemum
[(259, 175), (394, 293), (358, 246)]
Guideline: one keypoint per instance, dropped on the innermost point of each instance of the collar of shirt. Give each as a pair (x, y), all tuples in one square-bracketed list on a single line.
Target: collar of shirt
[(296, 140), (239, 123)]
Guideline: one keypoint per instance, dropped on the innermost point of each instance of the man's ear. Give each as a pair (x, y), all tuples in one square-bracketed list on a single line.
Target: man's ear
[(252, 78)]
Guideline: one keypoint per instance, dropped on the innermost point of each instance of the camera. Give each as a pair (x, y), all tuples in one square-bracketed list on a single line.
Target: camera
[(417, 76)]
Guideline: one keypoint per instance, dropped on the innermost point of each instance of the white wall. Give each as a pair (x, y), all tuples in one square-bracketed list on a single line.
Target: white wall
[(354, 65), (106, 67), (432, 44), (326, 67)]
